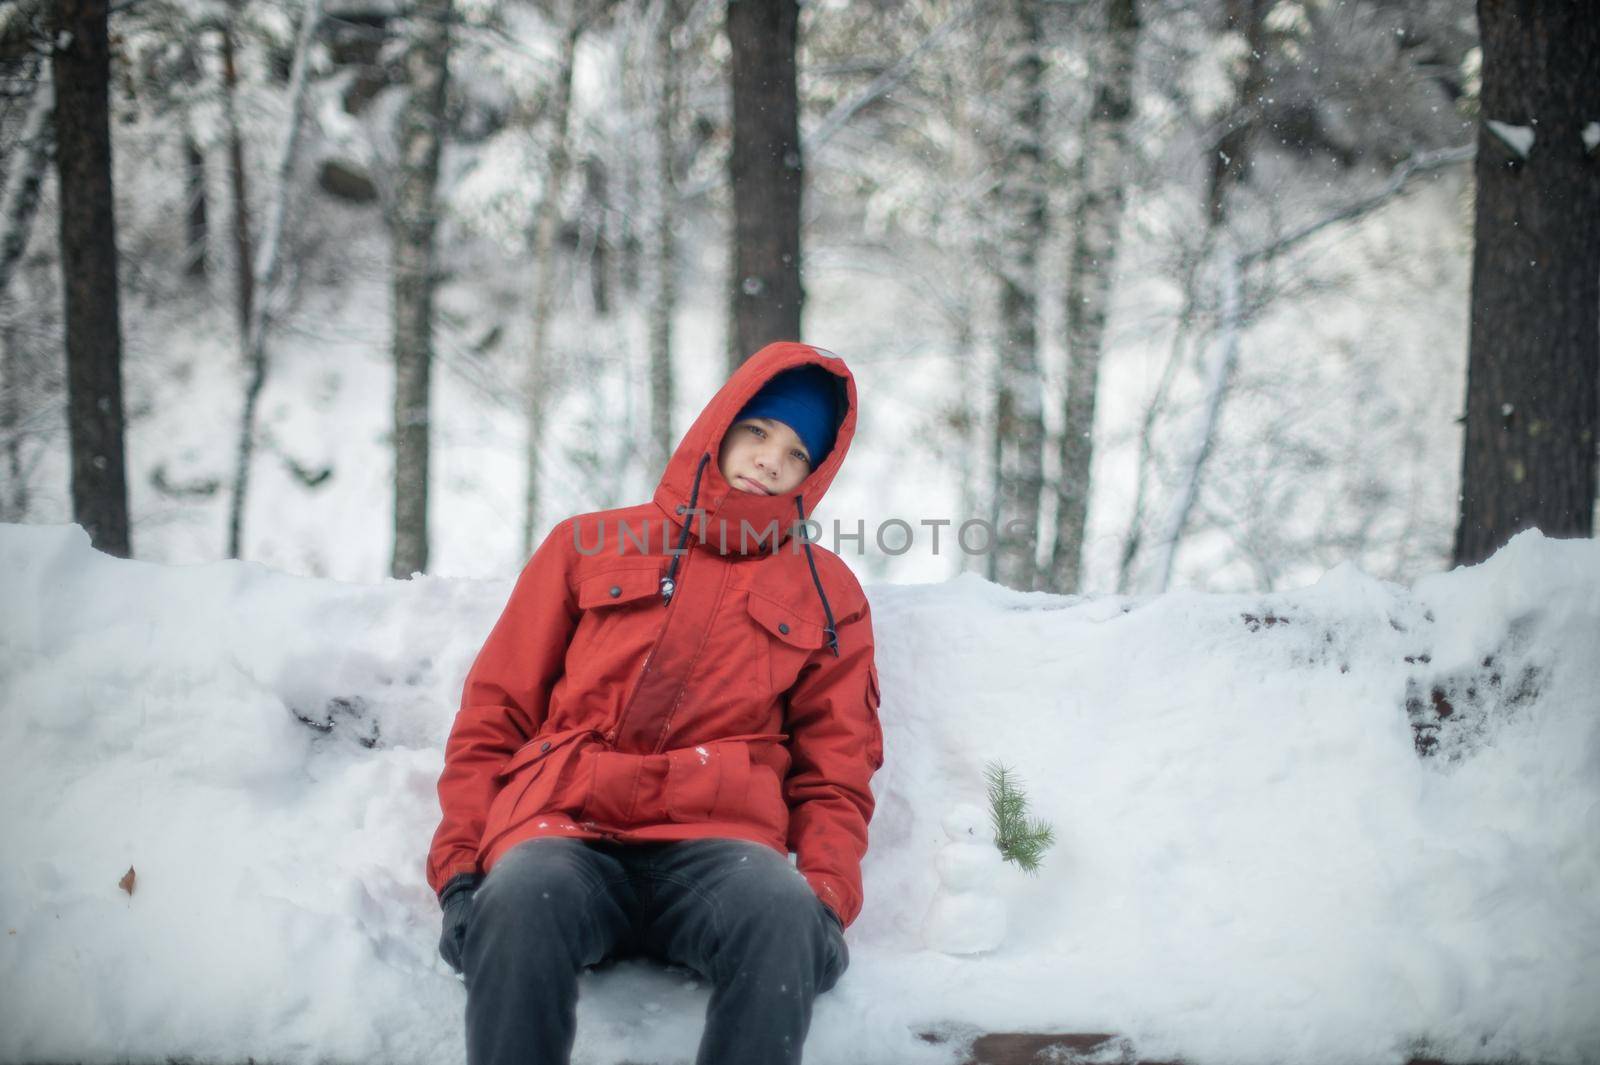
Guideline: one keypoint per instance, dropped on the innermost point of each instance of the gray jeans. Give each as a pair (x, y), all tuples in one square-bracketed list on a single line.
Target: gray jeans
[(735, 912)]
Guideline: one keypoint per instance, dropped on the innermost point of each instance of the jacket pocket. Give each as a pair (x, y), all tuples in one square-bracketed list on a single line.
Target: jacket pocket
[(527, 781), (537, 750), (605, 600), (791, 639), (618, 586), (708, 782), (613, 783)]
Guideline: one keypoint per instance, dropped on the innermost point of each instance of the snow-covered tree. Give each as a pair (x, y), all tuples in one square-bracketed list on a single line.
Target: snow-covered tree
[(413, 221), (81, 72), (767, 173), (1020, 203), (1100, 177), (1318, 109), (1532, 416)]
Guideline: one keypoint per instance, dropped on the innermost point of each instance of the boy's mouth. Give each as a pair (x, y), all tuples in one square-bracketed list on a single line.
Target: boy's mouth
[(747, 485)]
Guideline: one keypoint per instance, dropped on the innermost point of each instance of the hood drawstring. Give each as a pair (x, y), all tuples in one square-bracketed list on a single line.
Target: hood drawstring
[(827, 611), (669, 583)]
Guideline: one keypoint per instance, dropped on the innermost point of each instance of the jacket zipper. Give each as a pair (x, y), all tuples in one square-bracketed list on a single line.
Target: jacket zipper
[(649, 659)]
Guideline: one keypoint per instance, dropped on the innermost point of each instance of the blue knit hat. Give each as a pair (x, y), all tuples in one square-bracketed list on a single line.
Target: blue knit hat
[(806, 400)]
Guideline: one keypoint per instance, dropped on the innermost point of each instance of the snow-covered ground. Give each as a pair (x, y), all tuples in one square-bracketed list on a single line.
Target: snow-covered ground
[(1253, 863)]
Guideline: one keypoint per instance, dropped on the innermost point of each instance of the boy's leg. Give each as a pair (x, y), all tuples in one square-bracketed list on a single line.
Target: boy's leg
[(548, 908), (740, 915)]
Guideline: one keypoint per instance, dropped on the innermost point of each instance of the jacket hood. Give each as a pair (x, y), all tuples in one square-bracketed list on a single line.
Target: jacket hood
[(721, 506)]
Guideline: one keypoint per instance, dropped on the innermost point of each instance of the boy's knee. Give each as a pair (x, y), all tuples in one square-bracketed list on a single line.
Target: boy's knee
[(776, 902), (780, 927), (537, 880)]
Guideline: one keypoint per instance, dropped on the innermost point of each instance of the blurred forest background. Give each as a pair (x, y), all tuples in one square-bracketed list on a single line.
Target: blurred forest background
[(1184, 292)]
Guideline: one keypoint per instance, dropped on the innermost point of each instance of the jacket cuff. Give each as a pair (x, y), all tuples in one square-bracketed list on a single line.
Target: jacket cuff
[(829, 891), (457, 884)]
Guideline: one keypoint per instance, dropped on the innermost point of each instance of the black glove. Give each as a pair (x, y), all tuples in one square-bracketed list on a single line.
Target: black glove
[(838, 953), (456, 898)]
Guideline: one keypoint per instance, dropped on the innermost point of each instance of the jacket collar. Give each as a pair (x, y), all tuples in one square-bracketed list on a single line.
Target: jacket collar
[(722, 507)]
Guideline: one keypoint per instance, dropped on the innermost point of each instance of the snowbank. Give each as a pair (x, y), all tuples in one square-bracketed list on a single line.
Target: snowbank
[(1253, 862)]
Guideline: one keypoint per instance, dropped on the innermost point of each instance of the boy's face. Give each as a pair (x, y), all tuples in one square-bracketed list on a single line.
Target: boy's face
[(763, 455)]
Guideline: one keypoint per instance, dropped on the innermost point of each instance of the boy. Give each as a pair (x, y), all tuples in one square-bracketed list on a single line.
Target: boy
[(676, 696)]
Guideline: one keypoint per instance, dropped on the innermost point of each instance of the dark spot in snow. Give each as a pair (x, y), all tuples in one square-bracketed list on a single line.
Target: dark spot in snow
[(1267, 619)]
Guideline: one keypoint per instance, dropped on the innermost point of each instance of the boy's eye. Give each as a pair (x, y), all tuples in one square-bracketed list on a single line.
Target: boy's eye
[(801, 455)]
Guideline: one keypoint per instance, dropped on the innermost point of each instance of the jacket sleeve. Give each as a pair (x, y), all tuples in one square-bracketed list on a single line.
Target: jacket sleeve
[(503, 703), (835, 745)]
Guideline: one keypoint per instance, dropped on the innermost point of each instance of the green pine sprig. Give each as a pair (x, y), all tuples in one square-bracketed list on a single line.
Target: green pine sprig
[(1021, 839)]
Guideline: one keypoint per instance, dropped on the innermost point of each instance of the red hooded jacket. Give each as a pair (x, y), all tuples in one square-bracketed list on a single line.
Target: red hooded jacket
[(680, 669)]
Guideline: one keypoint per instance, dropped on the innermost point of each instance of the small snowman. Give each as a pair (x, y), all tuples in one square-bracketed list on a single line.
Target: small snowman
[(967, 916)]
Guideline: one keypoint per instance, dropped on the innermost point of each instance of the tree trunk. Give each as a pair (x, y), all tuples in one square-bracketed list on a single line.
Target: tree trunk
[(265, 283), (1219, 374), (766, 169), (14, 503), (594, 236), (414, 215), (1533, 364), (965, 417), (196, 232), (19, 203), (664, 295), (1101, 173), (82, 70), (971, 411), (243, 249), (1230, 158), (544, 246), (19, 206), (1019, 385), (1133, 537), (1230, 163)]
